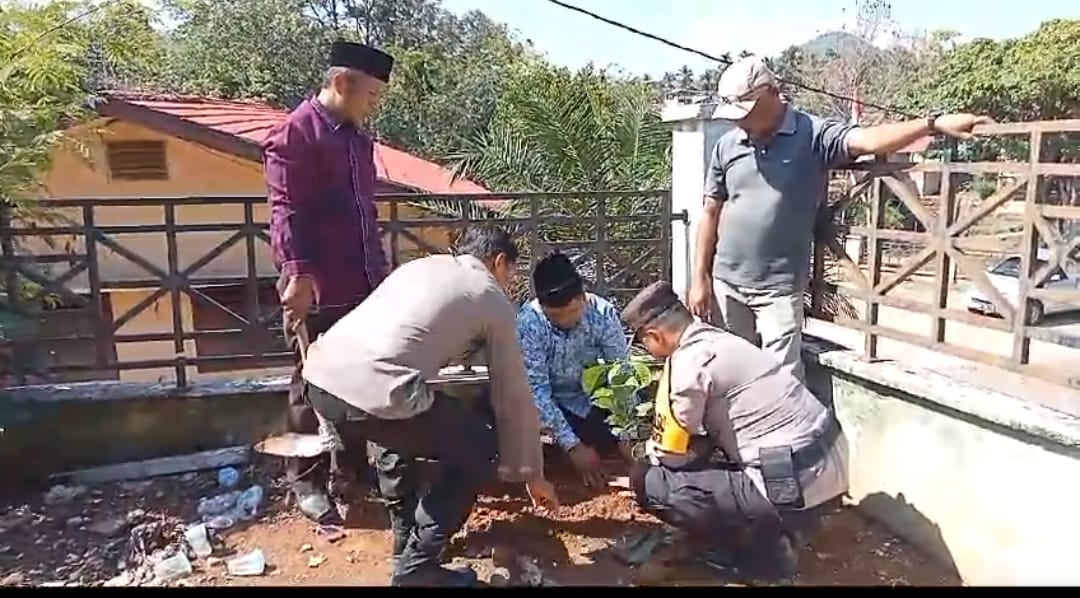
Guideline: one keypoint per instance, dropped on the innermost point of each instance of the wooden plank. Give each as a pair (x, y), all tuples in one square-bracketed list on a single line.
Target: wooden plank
[(1044, 126), (152, 468), (1060, 212), (942, 265), (1021, 345)]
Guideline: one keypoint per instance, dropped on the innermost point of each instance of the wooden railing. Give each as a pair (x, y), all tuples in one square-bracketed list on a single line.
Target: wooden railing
[(938, 234), (148, 295)]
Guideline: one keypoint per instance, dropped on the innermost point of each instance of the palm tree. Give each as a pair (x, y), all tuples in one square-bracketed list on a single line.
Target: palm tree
[(560, 132)]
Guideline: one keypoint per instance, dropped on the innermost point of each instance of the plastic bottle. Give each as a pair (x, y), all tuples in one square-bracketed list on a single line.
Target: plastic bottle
[(216, 505), (228, 477), (250, 564), (198, 538)]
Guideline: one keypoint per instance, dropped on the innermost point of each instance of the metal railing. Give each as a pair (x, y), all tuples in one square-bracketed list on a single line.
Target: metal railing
[(951, 234), (69, 325)]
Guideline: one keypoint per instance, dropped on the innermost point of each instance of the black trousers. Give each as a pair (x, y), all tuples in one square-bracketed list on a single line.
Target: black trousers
[(431, 468), (712, 505), (352, 461), (593, 430)]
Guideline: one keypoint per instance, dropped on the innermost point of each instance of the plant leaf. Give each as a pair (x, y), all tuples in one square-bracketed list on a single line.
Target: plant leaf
[(593, 378)]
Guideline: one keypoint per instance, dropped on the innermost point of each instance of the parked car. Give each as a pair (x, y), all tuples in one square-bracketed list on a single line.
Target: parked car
[(1005, 276)]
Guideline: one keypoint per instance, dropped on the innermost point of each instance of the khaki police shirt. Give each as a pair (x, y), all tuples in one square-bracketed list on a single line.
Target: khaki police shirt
[(427, 313), (727, 388)]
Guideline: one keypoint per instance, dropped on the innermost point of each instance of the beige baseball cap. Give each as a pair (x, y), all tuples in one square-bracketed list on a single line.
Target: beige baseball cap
[(739, 86)]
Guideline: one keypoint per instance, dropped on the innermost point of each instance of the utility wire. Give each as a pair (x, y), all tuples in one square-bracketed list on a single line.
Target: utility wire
[(102, 6), (724, 60)]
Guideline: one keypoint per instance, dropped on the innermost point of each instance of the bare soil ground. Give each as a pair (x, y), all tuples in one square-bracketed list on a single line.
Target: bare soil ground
[(91, 538)]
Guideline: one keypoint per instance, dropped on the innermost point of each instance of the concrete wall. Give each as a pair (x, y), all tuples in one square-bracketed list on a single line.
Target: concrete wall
[(983, 481)]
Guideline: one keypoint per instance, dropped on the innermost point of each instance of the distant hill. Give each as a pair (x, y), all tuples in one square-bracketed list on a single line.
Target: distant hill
[(833, 41)]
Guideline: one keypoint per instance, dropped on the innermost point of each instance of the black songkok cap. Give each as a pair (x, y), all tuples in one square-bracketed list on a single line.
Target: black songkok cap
[(365, 59)]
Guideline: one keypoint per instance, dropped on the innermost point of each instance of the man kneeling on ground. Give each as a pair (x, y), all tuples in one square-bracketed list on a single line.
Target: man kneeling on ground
[(369, 370), (562, 331), (739, 445)]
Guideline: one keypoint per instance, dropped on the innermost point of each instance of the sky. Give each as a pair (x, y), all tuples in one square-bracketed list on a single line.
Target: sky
[(715, 26)]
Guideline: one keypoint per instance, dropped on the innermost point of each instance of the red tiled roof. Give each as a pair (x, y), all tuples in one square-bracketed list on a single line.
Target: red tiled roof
[(250, 121)]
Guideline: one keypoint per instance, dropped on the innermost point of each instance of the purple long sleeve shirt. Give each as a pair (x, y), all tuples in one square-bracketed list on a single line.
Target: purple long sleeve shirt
[(320, 176)]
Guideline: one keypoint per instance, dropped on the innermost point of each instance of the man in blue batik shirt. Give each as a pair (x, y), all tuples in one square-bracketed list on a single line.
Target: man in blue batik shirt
[(561, 332)]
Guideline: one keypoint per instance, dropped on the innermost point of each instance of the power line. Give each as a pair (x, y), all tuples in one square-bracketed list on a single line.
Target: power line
[(15, 55), (727, 61)]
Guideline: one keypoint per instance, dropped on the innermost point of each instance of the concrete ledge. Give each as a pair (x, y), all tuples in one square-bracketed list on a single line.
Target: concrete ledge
[(942, 392), (980, 479)]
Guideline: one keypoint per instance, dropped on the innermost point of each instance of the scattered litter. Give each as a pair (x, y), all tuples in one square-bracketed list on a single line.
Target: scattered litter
[(250, 564), (249, 501), (330, 533), (307, 548), (315, 560), (173, 567), (217, 505), (220, 522), (198, 538), (61, 493), (228, 477), (315, 506), (225, 510), (15, 579), (75, 521)]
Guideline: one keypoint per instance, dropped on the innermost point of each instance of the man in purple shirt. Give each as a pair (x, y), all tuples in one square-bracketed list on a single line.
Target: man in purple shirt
[(320, 174)]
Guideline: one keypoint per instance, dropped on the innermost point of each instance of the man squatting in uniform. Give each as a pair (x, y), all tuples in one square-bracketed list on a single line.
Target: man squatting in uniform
[(369, 373), (740, 448), (765, 183), (320, 174)]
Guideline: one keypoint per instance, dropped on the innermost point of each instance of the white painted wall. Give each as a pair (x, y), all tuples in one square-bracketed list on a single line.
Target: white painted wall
[(693, 137)]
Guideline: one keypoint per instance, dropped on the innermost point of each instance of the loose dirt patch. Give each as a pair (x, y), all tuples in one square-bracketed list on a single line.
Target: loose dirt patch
[(86, 539)]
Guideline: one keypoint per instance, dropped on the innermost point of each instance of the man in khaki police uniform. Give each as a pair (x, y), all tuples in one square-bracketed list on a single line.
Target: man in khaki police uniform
[(740, 447), (368, 375)]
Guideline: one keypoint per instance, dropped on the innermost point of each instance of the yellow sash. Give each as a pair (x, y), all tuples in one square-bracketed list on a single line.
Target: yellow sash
[(668, 434)]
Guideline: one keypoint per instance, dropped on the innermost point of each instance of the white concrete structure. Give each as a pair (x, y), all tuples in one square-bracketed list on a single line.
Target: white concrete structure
[(693, 139)]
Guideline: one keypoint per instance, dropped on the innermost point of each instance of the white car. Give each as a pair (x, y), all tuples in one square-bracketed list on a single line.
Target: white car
[(1005, 278)]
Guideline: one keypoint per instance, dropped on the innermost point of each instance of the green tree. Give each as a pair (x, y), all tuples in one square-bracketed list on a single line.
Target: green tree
[(1035, 77), (53, 58), (51, 65), (444, 92), (556, 130), (259, 49)]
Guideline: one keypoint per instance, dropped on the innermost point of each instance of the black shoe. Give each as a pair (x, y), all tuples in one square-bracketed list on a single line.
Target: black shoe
[(776, 563), (437, 576)]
